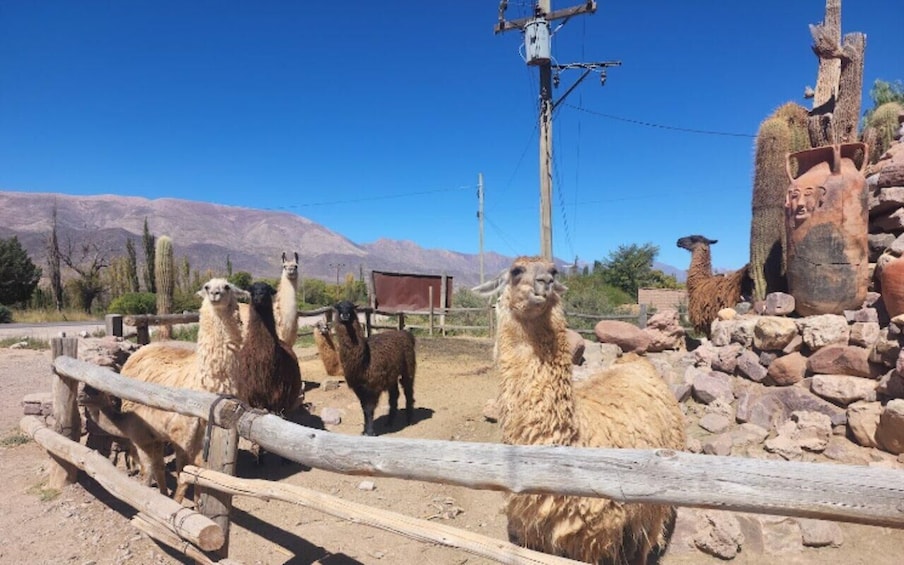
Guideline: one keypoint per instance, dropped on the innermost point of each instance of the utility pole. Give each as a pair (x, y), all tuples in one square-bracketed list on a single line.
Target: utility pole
[(480, 221), (537, 49), (338, 267)]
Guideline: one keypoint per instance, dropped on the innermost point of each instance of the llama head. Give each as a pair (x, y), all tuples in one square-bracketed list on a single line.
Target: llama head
[(346, 312), (528, 288), (221, 293), (262, 295), (692, 242), (290, 267), (322, 327)]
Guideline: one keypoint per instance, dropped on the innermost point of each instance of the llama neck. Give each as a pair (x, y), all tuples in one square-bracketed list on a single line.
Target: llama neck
[(286, 292), (219, 341), (352, 347), (260, 331), (701, 266), (537, 394)]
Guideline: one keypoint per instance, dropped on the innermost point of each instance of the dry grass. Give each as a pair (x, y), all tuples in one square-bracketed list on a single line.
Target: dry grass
[(51, 315)]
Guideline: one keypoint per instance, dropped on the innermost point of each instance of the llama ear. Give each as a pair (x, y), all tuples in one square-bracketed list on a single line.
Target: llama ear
[(283, 256), (296, 256)]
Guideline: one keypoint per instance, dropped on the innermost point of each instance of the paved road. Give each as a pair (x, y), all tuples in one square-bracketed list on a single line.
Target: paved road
[(54, 329), (49, 330)]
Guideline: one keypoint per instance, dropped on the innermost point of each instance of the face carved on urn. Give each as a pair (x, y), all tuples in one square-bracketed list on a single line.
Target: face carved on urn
[(802, 201)]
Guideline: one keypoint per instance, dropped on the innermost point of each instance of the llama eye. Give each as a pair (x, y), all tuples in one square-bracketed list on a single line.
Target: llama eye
[(554, 272), (516, 271)]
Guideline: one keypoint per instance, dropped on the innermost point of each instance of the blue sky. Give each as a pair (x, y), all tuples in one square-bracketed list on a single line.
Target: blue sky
[(375, 118)]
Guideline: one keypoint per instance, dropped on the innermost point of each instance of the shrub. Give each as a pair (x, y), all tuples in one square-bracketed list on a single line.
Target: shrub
[(134, 303), (6, 315)]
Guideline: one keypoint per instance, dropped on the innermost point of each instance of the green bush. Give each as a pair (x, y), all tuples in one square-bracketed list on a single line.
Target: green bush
[(186, 302), (134, 303), (6, 315)]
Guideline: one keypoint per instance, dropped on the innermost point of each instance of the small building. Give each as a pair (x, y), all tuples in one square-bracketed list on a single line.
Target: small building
[(662, 298), (398, 292)]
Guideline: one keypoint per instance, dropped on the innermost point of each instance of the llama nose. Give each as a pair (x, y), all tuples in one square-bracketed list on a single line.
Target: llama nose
[(542, 286)]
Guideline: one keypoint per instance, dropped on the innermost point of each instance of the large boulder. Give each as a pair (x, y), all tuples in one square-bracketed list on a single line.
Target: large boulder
[(665, 331), (627, 336)]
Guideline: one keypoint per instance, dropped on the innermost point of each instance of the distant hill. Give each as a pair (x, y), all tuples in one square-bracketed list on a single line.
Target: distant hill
[(253, 239), (679, 274), (206, 233)]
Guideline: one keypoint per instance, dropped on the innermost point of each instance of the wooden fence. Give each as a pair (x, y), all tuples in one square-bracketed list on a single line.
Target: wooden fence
[(436, 320), (867, 495)]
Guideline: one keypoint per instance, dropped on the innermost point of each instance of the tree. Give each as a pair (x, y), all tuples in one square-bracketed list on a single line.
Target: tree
[(18, 275), (241, 279), (150, 243), (88, 261), (53, 261), (631, 267), (132, 265), (883, 92)]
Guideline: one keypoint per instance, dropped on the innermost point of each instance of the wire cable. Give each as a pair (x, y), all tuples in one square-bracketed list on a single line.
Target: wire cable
[(660, 126), (373, 198)]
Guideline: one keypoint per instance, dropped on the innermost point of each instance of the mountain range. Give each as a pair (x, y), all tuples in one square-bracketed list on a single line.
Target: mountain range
[(253, 240)]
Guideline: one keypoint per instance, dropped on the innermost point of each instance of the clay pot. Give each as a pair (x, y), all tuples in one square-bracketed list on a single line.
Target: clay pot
[(827, 221), (891, 279)]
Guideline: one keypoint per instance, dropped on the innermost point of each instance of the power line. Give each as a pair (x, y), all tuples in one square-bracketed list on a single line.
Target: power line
[(500, 234), (373, 198), (660, 126)]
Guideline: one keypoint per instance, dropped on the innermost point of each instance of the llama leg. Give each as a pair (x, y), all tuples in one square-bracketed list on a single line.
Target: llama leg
[(393, 402), (150, 459), (368, 404), (181, 486), (408, 386)]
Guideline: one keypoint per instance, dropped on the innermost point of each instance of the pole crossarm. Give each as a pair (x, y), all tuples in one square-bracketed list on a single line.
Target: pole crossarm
[(588, 68), (504, 25)]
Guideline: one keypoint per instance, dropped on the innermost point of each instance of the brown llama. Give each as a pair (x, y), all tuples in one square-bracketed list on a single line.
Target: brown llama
[(375, 364), (708, 293), (626, 406)]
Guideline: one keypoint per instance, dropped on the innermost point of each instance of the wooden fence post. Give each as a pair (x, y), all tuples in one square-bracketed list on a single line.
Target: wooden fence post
[(368, 323), (443, 296), (67, 421), (144, 333), (214, 504), (113, 325), (430, 301), (642, 318), (401, 320)]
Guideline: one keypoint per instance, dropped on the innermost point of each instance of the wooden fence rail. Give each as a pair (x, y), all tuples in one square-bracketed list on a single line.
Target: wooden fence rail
[(162, 510), (143, 322), (848, 493)]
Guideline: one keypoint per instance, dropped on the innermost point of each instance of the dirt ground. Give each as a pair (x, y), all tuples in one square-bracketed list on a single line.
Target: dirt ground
[(84, 525)]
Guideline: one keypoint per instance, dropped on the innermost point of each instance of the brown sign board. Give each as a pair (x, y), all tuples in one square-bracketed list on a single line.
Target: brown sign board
[(397, 292)]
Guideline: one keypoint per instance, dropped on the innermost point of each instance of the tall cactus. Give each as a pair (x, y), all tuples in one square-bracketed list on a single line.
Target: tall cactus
[(783, 132), (164, 271), (881, 126)]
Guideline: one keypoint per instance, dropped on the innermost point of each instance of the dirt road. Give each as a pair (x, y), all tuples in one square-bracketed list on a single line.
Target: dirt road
[(455, 378)]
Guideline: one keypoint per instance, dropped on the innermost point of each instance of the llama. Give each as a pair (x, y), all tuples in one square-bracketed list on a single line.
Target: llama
[(286, 303), (625, 406), (326, 347), (270, 376), (211, 366), (103, 416), (708, 293), (376, 364)]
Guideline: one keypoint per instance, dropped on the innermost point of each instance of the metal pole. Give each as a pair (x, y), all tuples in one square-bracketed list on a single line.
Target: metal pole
[(544, 8), (480, 222)]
